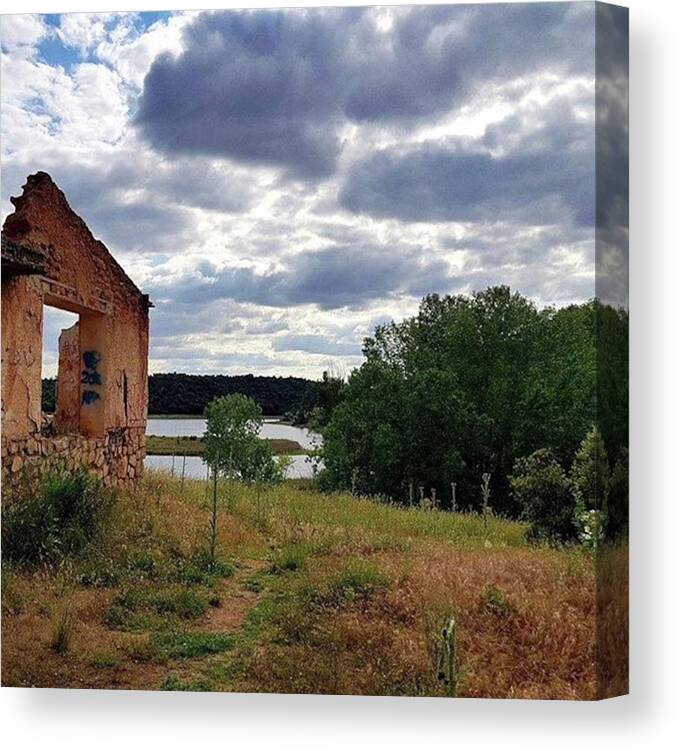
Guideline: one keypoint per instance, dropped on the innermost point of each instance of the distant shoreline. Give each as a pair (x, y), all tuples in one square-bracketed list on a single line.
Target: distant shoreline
[(189, 445), (271, 419)]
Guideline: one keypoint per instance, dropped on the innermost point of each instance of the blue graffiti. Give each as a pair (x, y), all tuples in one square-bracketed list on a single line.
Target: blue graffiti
[(91, 359), (90, 376)]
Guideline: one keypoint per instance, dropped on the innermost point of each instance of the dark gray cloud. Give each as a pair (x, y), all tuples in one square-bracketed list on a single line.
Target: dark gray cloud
[(339, 276), (138, 226), (275, 87), (433, 183), (197, 183), (170, 322), (94, 193), (255, 86), (612, 154), (156, 219)]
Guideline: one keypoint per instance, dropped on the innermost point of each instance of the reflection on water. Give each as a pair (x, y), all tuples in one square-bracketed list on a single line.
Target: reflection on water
[(196, 426), (300, 468)]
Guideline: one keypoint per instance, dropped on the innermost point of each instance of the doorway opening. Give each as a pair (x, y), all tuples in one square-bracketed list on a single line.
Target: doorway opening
[(60, 372)]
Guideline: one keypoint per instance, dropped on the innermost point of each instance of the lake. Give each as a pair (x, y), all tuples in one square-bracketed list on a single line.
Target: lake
[(196, 468)]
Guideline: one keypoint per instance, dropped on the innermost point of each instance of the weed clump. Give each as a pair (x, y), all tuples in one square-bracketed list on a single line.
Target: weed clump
[(173, 683), (104, 660), (62, 632), (171, 644), (53, 517), (141, 607), (496, 602), (290, 558), (358, 579), (199, 568)]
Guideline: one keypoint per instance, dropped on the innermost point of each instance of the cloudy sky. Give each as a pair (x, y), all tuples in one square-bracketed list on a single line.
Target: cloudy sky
[(282, 181)]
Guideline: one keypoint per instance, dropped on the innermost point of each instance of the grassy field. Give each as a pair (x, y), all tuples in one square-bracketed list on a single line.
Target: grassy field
[(179, 445), (312, 594)]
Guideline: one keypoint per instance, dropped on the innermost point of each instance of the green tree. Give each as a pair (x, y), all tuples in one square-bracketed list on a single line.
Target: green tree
[(258, 464), (590, 482), (231, 437), (465, 387), (319, 402), (541, 488), (612, 369), (617, 517), (591, 472)]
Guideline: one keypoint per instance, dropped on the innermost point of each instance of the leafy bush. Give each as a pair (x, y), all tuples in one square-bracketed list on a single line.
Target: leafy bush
[(233, 424), (590, 525), (54, 517), (232, 443), (541, 488)]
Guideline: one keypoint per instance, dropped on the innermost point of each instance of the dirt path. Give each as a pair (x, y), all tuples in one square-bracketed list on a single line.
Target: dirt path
[(236, 600), (99, 657)]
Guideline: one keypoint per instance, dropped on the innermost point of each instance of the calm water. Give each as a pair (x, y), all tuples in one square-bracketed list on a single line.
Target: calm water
[(196, 468), (196, 426)]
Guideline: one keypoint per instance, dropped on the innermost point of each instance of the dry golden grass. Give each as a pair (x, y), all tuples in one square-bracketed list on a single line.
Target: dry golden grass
[(330, 594), (612, 632), (538, 643)]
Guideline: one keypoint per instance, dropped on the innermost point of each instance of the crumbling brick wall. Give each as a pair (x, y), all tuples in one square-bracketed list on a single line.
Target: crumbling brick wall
[(49, 257)]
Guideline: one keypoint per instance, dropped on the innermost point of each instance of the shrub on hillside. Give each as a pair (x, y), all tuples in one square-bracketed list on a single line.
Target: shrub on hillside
[(591, 472), (590, 485), (617, 516), (53, 516), (541, 488)]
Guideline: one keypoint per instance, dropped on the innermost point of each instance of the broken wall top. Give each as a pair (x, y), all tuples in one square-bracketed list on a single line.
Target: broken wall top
[(44, 223)]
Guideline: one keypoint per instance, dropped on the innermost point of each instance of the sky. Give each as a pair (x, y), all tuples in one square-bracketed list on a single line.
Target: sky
[(280, 182)]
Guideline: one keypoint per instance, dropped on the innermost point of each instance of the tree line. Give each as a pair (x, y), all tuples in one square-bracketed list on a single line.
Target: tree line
[(471, 385), (180, 393)]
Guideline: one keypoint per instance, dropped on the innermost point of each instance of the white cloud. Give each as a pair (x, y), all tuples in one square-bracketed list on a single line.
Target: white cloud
[(20, 34), (175, 220), (131, 54), (83, 31)]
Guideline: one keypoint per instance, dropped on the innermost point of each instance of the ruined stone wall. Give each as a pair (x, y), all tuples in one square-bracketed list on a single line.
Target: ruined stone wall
[(21, 356), (102, 391), (80, 266), (116, 458)]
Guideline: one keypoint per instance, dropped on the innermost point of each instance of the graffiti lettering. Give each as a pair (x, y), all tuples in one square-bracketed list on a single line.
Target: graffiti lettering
[(91, 359), (90, 376)]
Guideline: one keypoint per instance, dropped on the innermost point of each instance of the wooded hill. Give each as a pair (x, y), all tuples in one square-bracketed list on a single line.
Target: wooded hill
[(179, 393)]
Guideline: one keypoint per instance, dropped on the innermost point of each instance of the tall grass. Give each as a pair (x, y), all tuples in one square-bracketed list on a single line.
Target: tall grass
[(289, 508), (47, 518), (317, 593)]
